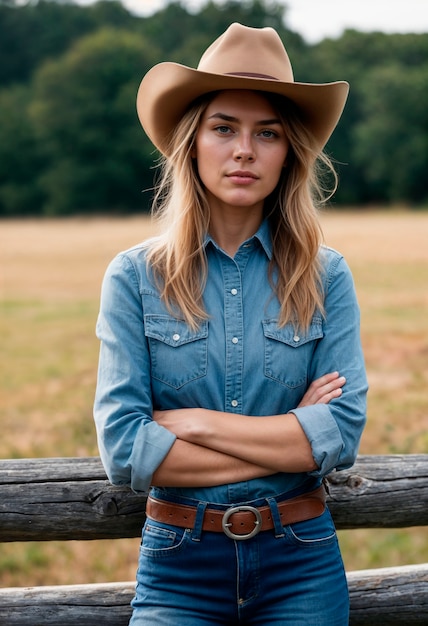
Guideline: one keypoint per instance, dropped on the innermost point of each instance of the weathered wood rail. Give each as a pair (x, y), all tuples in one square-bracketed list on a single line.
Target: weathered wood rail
[(69, 499)]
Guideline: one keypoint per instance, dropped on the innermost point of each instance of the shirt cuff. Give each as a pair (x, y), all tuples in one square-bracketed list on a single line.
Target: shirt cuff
[(323, 434), (151, 446)]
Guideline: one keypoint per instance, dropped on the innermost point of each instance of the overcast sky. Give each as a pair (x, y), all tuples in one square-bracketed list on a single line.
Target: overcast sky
[(317, 19)]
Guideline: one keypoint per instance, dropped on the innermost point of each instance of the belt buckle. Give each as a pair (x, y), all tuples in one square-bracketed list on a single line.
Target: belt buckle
[(237, 509)]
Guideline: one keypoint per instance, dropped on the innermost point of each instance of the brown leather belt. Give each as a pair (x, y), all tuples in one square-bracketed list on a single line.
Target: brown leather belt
[(239, 522)]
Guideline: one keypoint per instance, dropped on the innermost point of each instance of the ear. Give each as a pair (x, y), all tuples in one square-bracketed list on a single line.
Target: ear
[(193, 152)]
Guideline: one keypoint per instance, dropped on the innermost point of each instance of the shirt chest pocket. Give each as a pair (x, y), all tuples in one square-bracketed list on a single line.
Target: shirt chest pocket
[(178, 354), (288, 353)]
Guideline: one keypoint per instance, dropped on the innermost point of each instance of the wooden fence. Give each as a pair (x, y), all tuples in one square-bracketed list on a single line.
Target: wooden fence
[(68, 499)]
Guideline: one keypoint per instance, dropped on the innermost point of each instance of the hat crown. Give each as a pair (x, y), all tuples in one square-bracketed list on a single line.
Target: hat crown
[(246, 51)]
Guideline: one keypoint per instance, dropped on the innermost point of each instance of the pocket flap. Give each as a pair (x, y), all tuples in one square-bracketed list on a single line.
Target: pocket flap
[(287, 334), (171, 331)]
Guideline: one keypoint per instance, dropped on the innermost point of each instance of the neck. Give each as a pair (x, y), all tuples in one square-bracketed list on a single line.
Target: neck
[(231, 227)]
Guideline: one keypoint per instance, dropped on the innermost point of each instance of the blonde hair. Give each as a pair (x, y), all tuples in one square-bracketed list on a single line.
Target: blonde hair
[(177, 256)]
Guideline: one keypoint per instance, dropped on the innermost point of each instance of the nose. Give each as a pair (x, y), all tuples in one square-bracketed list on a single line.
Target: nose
[(244, 150)]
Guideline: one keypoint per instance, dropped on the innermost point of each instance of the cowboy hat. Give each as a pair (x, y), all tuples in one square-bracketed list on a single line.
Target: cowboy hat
[(241, 58)]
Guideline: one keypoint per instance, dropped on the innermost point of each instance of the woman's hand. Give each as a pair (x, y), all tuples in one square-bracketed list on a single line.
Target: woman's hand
[(323, 389)]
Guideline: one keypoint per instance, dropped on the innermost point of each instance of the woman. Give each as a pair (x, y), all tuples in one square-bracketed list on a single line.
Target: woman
[(231, 377)]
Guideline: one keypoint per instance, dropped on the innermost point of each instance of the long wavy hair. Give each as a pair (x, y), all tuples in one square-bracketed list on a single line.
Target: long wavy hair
[(177, 255)]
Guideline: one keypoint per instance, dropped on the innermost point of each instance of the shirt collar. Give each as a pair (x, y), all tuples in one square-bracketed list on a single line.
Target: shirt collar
[(262, 235), (265, 238)]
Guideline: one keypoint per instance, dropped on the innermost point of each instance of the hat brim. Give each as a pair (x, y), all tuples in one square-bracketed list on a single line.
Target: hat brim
[(168, 89)]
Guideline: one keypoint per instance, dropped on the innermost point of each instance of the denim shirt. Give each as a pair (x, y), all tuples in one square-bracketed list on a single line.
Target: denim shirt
[(238, 361)]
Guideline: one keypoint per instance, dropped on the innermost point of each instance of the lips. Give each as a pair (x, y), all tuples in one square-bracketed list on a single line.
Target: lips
[(242, 177)]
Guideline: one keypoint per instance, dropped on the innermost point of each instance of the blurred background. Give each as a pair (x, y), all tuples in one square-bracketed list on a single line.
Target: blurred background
[(76, 173), (70, 141)]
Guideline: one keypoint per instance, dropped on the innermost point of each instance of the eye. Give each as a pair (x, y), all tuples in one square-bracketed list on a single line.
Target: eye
[(223, 130), (268, 133)]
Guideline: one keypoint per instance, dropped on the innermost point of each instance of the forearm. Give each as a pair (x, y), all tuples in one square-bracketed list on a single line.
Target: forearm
[(190, 465), (275, 441)]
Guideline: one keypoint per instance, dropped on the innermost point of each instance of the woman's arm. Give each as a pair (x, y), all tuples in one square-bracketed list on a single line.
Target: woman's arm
[(276, 442), (191, 465)]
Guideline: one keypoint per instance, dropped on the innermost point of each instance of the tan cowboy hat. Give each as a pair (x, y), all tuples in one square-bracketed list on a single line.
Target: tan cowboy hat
[(241, 58)]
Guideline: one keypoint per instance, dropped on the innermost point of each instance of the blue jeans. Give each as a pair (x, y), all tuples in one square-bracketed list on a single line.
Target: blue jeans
[(291, 575)]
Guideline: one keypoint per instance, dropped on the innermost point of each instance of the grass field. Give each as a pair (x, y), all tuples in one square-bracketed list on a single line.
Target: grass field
[(50, 282)]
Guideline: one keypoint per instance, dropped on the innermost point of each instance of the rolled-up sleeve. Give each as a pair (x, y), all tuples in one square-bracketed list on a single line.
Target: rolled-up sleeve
[(131, 444), (334, 430)]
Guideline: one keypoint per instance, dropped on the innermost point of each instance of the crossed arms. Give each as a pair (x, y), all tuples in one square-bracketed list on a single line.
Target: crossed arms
[(213, 447)]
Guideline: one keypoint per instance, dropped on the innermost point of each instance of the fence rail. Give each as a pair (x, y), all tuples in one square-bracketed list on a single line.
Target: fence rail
[(69, 499)]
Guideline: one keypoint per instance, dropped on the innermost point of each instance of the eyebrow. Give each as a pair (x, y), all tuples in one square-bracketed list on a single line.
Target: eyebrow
[(231, 118)]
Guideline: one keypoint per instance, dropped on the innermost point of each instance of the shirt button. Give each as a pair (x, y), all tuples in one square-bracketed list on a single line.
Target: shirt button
[(296, 338), (233, 292), (176, 337), (234, 403), (235, 340)]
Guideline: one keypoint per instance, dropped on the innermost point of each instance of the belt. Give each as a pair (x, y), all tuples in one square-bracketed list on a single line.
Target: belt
[(239, 522)]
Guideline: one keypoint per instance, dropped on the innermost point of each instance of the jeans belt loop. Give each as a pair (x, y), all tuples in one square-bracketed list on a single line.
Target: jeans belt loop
[(276, 517), (197, 528)]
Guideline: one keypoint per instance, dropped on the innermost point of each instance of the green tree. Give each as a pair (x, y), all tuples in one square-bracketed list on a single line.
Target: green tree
[(391, 140), (84, 116), (20, 161), (381, 70), (36, 31)]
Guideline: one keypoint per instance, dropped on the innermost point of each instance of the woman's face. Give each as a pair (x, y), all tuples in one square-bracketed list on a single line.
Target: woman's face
[(240, 149)]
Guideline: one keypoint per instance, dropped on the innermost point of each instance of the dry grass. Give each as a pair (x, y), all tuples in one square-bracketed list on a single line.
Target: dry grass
[(51, 275), (388, 254)]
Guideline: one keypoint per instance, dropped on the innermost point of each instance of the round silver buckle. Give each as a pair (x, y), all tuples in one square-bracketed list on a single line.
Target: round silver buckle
[(236, 509)]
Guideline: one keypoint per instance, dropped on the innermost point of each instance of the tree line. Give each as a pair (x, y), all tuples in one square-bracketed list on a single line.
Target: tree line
[(70, 141)]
